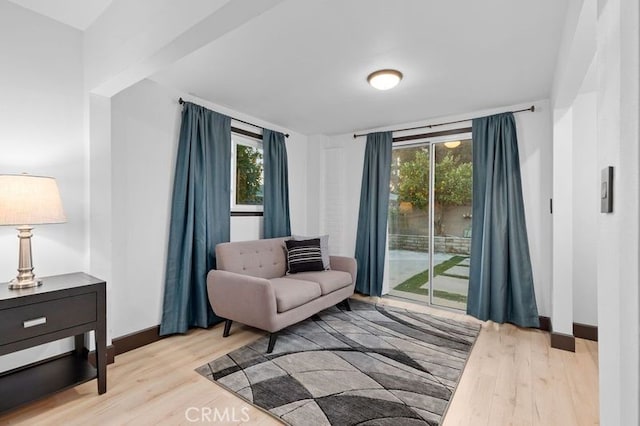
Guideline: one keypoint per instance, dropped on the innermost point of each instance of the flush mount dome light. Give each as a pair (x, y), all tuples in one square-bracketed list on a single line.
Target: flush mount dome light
[(384, 79), (452, 144)]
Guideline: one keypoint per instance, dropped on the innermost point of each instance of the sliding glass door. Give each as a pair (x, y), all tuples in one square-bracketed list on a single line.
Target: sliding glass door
[(430, 221)]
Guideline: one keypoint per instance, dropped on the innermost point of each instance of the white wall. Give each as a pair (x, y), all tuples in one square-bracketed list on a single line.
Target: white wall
[(98, 131), (41, 132), (315, 151), (577, 49), (535, 143), (562, 282), (616, 26), (618, 232), (145, 124), (341, 158), (586, 208), (144, 131), (575, 184)]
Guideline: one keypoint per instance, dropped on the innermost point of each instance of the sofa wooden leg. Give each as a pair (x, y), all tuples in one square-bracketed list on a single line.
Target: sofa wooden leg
[(272, 341), (345, 303), (227, 328)]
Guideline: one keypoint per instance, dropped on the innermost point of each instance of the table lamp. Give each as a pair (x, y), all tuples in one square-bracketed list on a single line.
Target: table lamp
[(27, 200)]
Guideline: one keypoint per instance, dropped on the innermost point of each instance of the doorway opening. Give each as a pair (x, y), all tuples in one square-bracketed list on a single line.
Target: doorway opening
[(429, 220)]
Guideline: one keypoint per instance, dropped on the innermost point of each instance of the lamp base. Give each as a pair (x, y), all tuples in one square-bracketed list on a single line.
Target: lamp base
[(26, 277), (15, 284)]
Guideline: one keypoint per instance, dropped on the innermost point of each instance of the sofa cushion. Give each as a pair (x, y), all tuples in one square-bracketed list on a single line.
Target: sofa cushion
[(304, 255), (324, 248), (291, 293), (261, 258), (329, 281)]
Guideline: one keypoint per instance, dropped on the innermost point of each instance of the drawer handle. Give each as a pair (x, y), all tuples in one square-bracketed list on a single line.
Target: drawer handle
[(34, 322)]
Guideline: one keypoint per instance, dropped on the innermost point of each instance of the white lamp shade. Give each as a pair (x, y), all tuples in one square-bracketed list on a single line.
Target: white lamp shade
[(29, 200)]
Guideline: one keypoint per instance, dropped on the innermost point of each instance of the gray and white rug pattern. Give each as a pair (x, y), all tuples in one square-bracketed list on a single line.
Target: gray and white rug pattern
[(373, 365)]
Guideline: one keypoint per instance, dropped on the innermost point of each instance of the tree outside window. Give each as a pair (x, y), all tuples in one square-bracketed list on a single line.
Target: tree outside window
[(452, 187), (249, 175)]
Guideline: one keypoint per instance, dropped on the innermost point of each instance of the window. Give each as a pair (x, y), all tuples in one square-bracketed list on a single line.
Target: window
[(247, 175)]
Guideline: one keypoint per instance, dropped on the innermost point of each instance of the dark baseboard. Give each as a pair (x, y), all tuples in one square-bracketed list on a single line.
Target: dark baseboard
[(136, 340), (144, 337), (126, 343), (566, 342), (584, 331), (91, 356), (545, 323)]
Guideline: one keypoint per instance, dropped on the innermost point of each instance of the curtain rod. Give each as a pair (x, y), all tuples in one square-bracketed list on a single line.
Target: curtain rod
[(181, 101), (532, 108)]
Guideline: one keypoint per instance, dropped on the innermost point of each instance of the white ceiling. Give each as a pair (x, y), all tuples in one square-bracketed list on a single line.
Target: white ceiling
[(303, 64), (79, 14)]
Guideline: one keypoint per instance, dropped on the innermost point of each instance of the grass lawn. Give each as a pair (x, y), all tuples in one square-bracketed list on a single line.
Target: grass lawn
[(414, 284)]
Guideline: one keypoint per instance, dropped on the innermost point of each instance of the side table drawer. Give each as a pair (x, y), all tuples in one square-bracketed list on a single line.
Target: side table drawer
[(24, 322)]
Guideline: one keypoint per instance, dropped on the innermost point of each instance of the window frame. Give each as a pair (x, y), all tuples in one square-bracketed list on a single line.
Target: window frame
[(243, 209)]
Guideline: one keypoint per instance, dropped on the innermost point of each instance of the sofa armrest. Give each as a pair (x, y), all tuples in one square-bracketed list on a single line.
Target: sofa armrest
[(345, 264), (243, 298)]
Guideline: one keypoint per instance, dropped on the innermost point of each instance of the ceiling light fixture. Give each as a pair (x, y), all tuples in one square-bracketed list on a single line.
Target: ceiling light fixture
[(384, 79), (452, 144)]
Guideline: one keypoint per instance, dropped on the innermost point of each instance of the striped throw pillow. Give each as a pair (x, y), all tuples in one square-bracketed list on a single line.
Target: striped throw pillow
[(304, 255)]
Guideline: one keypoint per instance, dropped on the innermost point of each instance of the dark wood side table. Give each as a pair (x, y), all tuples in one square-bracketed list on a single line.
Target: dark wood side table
[(64, 306)]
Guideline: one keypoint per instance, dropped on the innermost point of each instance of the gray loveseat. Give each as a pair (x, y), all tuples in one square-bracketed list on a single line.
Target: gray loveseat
[(250, 286)]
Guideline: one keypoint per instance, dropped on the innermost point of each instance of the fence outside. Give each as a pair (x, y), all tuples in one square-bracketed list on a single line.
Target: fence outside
[(446, 244)]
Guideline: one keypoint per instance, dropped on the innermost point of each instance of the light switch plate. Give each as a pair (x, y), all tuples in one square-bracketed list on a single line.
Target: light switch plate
[(606, 190)]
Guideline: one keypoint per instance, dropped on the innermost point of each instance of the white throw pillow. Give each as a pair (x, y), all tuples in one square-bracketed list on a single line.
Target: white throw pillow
[(324, 248)]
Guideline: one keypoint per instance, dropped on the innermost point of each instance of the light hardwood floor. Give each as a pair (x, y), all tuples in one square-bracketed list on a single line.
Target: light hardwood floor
[(512, 377)]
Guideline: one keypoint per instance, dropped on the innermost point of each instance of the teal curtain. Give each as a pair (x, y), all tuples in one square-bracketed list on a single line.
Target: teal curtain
[(501, 280), (200, 217), (371, 240), (276, 185)]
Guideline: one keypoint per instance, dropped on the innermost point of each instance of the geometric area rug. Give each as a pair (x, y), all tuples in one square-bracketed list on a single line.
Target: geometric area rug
[(372, 365)]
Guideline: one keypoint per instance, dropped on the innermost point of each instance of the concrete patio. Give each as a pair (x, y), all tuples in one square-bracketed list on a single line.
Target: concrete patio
[(404, 264)]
